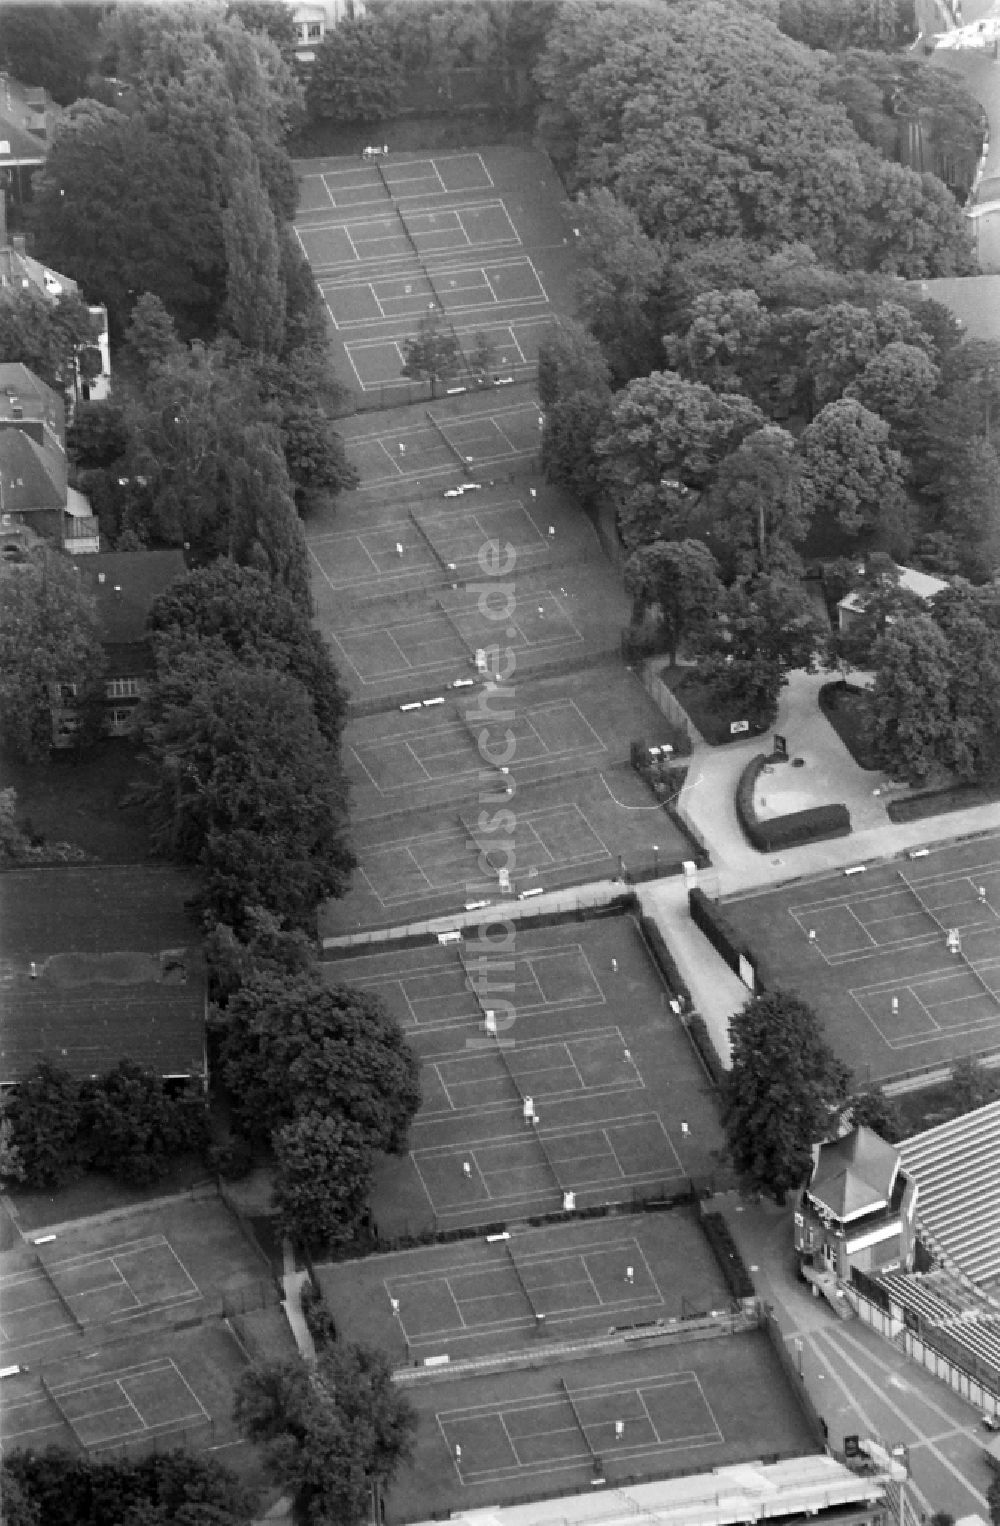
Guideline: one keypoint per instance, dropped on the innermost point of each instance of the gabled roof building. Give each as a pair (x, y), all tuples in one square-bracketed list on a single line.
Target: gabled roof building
[(858, 1208)]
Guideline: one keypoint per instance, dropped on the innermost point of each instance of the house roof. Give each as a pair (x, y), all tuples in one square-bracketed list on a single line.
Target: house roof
[(36, 398), (117, 970), (910, 581), (125, 584), (18, 145), (32, 476), (854, 1174)]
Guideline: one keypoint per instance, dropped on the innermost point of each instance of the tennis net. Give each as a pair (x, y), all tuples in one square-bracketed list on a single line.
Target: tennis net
[(960, 951), (520, 1277), (501, 1049), (63, 1301), (598, 1464)]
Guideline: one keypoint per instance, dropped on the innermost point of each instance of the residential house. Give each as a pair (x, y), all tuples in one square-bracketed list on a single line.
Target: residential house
[(314, 18), (34, 488), (20, 272), (124, 585), (857, 1210), (853, 607), (28, 117), (100, 962)]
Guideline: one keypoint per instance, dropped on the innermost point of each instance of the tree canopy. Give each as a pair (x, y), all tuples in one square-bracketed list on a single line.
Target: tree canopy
[(49, 638), (59, 1488), (245, 786), (325, 1075), (330, 1434), (782, 1091)]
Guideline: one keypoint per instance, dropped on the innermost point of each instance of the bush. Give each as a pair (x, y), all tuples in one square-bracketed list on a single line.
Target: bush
[(767, 834), (233, 1159), (318, 1316), (957, 797)]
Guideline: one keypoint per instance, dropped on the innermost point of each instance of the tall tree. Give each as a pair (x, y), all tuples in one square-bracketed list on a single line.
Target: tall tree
[(433, 353), (49, 638), (679, 581), (662, 424), (913, 725), (296, 1046), (770, 628), (851, 473), (758, 497), (54, 46), (354, 77), (66, 1488), (246, 787), (48, 336), (255, 296), (618, 288), (44, 1115), (331, 1434), (259, 624), (322, 1179), (575, 394), (782, 1090)]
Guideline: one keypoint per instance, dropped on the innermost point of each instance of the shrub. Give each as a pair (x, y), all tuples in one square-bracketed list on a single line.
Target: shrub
[(727, 1254)]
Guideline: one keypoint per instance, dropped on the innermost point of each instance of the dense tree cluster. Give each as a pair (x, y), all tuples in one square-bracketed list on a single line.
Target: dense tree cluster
[(59, 1488), (243, 726), (124, 1123), (365, 69), (331, 1434), (323, 1075)]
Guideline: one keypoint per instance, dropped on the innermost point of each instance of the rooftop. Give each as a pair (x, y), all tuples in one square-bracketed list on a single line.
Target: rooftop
[(854, 1174), (125, 584), (32, 476), (99, 962), (910, 581)]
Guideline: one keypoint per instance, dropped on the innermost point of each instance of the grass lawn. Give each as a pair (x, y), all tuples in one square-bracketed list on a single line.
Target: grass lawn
[(80, 799), (849, 711), (703, 708)]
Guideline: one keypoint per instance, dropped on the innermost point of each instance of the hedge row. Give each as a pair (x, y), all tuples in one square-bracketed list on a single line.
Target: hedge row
[(721, 933), (727, 1254), (813, 825), (710, 1057)]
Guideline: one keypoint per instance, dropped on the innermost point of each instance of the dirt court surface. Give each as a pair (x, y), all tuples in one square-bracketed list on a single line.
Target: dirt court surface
[(477, 236), (870, 953), (544, 1285), (584, 1030), (517, 1435), (119, 1325), (403, 593)]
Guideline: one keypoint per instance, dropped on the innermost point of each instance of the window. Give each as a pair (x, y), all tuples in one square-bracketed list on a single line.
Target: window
[(122, 688), (314, 31), (120, 722)]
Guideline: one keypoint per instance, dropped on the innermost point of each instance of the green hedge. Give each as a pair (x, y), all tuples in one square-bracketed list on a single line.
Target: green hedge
[(723, 934), (813, 825), (702, 1041), (731, 1263)]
